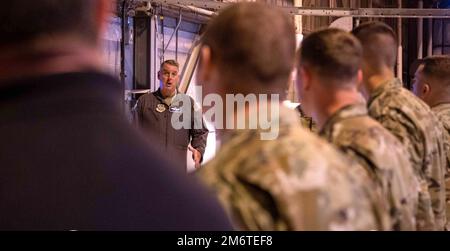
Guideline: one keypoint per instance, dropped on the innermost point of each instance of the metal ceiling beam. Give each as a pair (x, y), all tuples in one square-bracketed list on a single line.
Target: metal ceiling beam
[(335, 12)]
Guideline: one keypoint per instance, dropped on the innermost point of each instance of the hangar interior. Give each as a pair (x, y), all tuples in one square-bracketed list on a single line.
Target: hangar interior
[(145, 33)]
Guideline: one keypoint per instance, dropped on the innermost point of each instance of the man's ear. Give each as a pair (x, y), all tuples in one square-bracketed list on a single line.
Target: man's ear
[(160, 76), (426, 89), (205, 65), (359, 79)]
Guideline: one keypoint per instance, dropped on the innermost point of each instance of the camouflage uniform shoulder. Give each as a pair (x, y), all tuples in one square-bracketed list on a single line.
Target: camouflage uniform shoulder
[(296, 182), (442, 111), (383, 157), (394, 100), (413, 123)]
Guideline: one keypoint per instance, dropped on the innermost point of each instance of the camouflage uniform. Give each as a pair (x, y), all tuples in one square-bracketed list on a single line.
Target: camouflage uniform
[(442, 111), (296, 182), (384, 158), (412, 121)]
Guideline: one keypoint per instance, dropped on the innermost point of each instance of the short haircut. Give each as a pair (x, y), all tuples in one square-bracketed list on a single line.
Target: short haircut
[(379, 43), (414, 66), (437, 67), (332, 53), (170, 62), (253, 43), (25, 20)]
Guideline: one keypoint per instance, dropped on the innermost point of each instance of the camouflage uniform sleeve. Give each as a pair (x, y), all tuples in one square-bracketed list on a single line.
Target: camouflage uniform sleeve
[(447, 185), (442, 112), (259, 193), (447, 179), (253, 206), (430, 175)]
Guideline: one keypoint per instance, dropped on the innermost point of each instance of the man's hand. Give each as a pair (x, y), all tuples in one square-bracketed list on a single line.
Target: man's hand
[(196, 156)]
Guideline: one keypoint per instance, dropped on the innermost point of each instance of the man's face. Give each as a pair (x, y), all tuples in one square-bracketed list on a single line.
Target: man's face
[(418, 87), (168, 77)]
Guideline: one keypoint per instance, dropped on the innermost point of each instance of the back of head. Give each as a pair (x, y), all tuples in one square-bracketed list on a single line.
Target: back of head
[(379, 43), (437, 69), (332, 54), (253, 44), (22, 21)]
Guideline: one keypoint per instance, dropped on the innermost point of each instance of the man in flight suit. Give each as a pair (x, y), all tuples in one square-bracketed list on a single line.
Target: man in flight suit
[(155, 113)]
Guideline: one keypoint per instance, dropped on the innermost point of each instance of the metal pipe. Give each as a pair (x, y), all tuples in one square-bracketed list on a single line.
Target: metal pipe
[(122, 43), (154, 49), (176, 47), (199, 10), (162, 56), (298, 18), (173, 33), (158, 37), (420, 33), (335, 12), (443, 37), (430, 37), (400, 47), (292, 92), (176, 43), (189, 67)]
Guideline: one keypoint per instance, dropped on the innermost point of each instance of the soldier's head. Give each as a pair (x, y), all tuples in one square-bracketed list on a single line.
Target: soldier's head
[(379, 48), (23, 21), (432, 80), (329, 62), (168, 76), (247, 48)]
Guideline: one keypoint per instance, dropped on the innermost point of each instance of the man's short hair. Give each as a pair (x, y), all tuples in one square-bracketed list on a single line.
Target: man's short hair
[(437, 67), (379, 43), (170, 62), (415, 65), (25, 20), (253, 43), (332, 53)]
